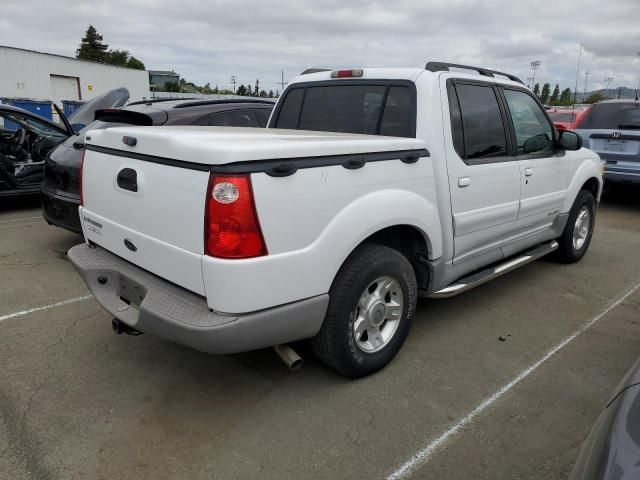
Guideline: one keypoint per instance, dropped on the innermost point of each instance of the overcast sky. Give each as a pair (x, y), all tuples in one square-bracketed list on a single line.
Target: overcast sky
[(208, 41)]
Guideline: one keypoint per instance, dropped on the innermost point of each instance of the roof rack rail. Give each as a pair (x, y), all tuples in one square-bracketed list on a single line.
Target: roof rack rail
[(444, 67), (315, 70), (156, 100), (199, 103)]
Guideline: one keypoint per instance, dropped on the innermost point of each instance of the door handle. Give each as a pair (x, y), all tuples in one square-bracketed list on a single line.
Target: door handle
[(528, 172), (127, 179), (464, 182)]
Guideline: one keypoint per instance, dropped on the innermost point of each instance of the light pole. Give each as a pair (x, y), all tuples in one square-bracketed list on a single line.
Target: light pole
[(607, 81), (233, 82), (575, 90), (584, 90), (534, 66)]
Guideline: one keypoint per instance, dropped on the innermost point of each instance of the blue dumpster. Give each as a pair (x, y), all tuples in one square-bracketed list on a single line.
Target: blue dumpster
[(39, 107), (70, 106)]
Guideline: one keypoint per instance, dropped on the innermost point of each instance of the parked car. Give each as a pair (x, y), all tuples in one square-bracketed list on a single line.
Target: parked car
[(370, 188), (60, 191), (612, 449), (27, 139), (566, 118), (612, 129)]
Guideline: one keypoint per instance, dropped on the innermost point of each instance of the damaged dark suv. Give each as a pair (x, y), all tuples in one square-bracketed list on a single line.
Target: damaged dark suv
[(60, 192), (25, 141)]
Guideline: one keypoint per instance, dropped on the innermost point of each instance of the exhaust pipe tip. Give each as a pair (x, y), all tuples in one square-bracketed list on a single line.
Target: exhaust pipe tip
[(288, 355)]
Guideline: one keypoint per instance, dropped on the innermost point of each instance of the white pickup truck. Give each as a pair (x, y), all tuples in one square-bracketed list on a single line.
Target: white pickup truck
[(369, 188)]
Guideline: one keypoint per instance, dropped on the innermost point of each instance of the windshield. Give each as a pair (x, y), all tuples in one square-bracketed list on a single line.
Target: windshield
[(85, 114), (612, 116), (365, 109), (12, 122)]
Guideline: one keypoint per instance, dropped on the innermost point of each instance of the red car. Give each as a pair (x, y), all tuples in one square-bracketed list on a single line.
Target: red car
[(566, 118)]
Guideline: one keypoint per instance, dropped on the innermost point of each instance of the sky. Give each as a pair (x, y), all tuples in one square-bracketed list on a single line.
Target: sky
[(209, 41)]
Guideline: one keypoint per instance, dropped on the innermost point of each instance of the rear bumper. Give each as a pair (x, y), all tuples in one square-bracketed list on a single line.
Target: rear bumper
[(175, 314), (614, 173), (61, 211)]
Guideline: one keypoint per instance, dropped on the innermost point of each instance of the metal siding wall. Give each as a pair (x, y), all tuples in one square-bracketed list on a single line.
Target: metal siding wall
[(26, 74)]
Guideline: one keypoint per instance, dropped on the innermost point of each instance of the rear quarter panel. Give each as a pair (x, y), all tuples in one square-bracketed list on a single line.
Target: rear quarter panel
[(312, 221)]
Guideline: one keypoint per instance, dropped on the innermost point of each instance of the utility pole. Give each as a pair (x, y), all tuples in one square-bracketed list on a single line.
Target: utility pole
[(529, 82), (282, 84), (607, 81), (584, 90), (233, 82), (575, 90), (534, 66)]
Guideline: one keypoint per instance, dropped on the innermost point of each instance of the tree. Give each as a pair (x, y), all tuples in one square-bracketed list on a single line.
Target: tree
[(536, 90), (91, 46), (241, 90), (270, 93), (594, 98), (116, 57), (277, 93), (554, 96), (565, 97), (134, 63), (544, 95), (263, 94), (171, 87)]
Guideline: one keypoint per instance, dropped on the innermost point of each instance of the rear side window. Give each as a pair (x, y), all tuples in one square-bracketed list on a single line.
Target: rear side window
[(234, 118), (263, 116), (612, 116), (482, 126), (290, 111), (363, 109)]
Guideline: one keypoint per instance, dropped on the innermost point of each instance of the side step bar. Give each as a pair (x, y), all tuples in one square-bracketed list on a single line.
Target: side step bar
[(483, 276)]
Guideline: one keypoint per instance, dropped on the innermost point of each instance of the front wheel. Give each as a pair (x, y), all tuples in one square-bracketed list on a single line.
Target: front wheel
[(576, 237), (372, 302)]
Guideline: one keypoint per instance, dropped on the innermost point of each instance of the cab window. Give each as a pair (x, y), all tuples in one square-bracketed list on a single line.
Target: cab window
[(534, 133)]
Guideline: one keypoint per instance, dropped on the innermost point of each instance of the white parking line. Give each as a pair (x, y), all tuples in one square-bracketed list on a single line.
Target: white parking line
[(424, 454), (45, 307), (20, 219)]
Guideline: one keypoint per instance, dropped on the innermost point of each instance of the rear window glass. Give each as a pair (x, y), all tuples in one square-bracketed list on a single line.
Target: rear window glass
[(363, 109), (612, 116)]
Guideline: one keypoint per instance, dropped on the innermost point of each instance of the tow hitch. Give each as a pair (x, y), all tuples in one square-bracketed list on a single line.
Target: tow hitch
[(121, 327)]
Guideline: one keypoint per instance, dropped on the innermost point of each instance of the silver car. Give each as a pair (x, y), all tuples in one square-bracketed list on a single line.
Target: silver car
[(612, 130)]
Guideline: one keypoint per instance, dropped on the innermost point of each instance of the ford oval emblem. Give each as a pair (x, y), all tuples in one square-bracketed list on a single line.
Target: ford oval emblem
[(130, 245)]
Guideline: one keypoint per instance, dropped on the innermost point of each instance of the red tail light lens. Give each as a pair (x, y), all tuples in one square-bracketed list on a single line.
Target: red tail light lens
[(231, 225), (81, 171)]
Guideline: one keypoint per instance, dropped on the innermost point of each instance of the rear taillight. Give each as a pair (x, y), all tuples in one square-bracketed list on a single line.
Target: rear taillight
[(81, 171), (231, 227)]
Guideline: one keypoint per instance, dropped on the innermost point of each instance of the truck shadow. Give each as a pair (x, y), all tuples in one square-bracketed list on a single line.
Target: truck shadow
[(15, 204)]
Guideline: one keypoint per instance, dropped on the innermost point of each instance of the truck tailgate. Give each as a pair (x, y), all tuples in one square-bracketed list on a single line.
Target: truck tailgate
[(159, 226)]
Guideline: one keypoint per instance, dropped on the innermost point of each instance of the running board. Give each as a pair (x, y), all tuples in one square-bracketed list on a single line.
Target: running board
[(483, 276)]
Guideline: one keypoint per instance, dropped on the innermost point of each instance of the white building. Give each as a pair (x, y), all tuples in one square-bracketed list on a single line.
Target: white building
[(45, 76)]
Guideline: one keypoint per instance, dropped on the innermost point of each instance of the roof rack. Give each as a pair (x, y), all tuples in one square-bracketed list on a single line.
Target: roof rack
[(231, 100), (444, 67), (156, 100), (315, 70)]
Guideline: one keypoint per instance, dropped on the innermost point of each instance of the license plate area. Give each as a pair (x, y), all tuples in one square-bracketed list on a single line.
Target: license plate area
[(130, 292), (615, 146)]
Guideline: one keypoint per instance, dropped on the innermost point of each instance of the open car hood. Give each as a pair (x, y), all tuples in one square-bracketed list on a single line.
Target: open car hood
[(85, 114)]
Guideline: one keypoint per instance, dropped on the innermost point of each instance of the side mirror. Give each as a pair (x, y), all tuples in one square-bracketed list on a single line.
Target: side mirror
[(570, 140)]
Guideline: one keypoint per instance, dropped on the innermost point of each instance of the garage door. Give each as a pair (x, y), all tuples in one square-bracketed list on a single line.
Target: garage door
[(64, 88)]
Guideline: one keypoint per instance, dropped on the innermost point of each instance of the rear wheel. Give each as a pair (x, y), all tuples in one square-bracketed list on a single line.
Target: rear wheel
[(372, 302), (576, 237)]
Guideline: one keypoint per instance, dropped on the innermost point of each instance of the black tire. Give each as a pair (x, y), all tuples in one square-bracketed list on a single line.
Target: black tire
[(335, 343), (567, 252)]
